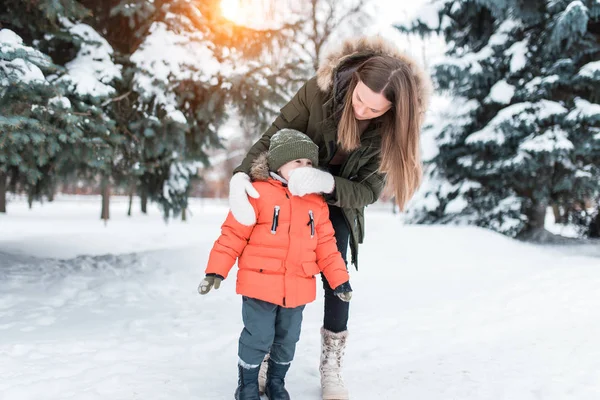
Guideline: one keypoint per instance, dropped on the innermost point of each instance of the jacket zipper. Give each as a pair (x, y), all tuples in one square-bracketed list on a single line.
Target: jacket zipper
[(311, 222), (275, 220), (288, 249)]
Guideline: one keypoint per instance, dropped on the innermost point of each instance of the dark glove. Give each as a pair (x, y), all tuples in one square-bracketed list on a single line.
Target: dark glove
[(344, 291), (208, 282)]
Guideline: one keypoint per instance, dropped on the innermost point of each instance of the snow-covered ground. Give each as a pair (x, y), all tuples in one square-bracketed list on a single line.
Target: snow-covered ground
[(89, 311)]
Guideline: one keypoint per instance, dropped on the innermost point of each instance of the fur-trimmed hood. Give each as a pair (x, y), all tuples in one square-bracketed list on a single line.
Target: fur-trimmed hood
[(259, 171), (362, 48)]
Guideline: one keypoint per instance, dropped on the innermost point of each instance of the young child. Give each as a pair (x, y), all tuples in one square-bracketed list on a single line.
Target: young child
[(279, 256)]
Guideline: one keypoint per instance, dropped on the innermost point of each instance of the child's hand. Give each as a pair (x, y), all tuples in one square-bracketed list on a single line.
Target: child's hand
[(208, 282), (344, 291)]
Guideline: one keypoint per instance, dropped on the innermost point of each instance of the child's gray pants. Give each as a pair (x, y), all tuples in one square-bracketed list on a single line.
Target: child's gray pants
[(268, 328)]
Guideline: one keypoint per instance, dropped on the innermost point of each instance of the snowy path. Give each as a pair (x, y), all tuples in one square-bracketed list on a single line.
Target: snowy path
[(94, 312)]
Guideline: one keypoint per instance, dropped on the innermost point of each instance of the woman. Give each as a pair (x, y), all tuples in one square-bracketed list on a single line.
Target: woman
[(364, 109)]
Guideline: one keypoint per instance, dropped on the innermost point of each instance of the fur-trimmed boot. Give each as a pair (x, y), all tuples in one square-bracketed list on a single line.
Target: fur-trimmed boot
[(247, 384), (262, 375), (333, 346)]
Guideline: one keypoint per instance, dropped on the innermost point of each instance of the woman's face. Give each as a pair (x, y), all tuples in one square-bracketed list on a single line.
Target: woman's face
[(367, 104)]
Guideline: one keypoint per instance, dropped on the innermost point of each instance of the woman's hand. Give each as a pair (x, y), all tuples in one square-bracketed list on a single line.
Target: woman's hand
[(306, 180), (240, 188)]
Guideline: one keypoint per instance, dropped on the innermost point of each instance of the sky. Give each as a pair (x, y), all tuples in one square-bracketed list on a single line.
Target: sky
[(385, 13)]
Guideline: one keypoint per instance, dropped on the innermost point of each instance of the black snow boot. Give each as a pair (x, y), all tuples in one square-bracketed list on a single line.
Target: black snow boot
[(275, 387), (247, 384)]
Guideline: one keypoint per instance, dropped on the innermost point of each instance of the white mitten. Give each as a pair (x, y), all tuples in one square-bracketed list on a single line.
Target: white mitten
[(240, 188), (306, 180)]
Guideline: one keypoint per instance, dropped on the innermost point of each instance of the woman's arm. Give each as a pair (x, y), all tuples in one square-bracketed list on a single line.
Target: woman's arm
[(294, 115), (359, 191)]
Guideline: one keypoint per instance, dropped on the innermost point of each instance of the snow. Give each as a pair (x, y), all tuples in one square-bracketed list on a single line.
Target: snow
[(452, 118), (180, 174), (429, 148), (26, 72), (552, 140), (15, 68), (577, 4), (548, 109), (8, 37), (501, 92), (428, 14), (446, 23), (508, 223), (501, 35), (513, 116), (390, 12), (518, 51), (93, 69), (470, 61), (10, 43), (534, 85), (465, 161), (456, 205), (584, 110), (430, 202), (177, 116), (559, 229), (167, 56), (89, 311), (60, 101), (591, 70)]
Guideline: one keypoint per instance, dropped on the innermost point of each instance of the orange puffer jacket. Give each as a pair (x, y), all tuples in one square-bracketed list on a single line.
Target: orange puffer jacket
[(292, 241)]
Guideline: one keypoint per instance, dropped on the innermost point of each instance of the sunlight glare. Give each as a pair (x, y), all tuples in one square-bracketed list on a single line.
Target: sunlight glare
[(231, 10)]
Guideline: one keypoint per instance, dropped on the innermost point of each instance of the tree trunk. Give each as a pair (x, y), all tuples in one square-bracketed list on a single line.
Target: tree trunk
[(30, 199), (557, 217), (144, 200), (536, 216), (131, 192), (51, 195), (594, 228), (130, 204), (3, 180), (184, 214), (105, 214)]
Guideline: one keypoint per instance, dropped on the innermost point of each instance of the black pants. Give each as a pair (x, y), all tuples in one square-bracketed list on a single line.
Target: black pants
[(335, 318)]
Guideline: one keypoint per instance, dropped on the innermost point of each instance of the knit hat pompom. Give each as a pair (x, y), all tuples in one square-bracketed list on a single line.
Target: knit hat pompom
[(288, 145)]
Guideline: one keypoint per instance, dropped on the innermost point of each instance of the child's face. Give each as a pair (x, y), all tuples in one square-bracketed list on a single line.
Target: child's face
[(288, 167)]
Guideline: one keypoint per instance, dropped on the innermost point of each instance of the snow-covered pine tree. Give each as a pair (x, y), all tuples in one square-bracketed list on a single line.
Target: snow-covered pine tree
[(523, 130), (66, 130), (29, 111)]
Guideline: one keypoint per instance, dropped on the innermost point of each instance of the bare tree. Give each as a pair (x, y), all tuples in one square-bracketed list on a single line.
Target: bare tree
[(327, 17)]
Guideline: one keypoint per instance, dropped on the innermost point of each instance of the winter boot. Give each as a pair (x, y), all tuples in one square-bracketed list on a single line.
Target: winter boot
[(275, 387), (333, 346), (247, 384), (262, 375)]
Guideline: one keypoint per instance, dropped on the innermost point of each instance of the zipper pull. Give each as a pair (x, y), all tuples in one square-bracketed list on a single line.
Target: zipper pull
[(275, 220), (311, 222)]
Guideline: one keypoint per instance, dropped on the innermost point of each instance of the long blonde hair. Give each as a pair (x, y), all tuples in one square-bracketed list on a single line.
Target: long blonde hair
[(400, 158)]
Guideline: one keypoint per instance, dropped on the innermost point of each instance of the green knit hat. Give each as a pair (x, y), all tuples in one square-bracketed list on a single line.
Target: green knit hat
[(288, 145)]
